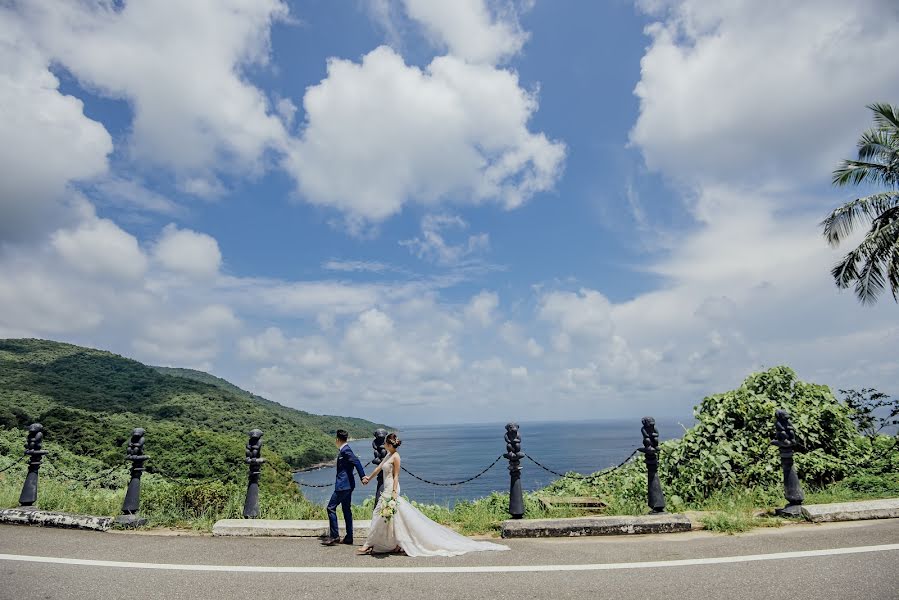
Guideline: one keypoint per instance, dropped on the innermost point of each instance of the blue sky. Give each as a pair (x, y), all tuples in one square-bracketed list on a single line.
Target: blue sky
[(420, 211)]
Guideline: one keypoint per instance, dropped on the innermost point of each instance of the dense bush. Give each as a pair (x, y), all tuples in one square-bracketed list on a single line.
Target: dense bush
[(730, 445)]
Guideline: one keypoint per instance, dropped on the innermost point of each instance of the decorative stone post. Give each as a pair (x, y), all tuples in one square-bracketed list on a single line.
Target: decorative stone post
[(131, 504), (514, 454), (655, 498), (254, 460), (786, 441), (33, 445), (380, 453)]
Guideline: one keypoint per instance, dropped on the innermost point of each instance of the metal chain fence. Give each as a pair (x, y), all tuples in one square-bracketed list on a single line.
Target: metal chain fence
[(582, 477), (12, 464), (310, 485), (52, 464), (442, 484)]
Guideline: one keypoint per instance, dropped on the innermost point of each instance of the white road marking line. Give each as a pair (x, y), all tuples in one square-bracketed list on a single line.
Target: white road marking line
[(471, 569)]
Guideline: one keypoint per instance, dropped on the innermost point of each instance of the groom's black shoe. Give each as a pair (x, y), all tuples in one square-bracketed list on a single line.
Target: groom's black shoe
[(348, 541), (331, 542)]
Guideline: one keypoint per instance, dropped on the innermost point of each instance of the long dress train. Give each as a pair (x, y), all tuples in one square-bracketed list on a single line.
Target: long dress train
[(415, 533)]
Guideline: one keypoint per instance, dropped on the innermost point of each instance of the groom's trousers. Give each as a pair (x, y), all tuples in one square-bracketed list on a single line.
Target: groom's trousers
[(345, 499)]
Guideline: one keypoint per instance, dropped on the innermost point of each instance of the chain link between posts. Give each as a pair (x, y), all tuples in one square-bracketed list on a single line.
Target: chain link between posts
[(594, 476), (52, 463), (441, 484), (310, 485), (12, 464)]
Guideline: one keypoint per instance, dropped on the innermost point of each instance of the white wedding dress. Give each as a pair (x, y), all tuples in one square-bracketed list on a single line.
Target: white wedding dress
[(416, 534)]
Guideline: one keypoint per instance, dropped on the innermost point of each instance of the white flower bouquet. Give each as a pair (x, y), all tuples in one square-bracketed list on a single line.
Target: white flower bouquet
[(388, 506)]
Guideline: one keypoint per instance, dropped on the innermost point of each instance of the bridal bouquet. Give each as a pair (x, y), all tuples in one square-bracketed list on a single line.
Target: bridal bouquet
[(388, 506)]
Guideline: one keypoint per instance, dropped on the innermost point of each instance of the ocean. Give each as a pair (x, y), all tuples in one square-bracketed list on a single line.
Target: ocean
[(448, 453)]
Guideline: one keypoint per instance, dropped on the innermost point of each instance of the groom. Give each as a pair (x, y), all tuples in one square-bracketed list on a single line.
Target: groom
[(343, 490)]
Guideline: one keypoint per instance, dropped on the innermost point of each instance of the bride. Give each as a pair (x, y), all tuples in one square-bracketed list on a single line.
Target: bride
[(408, 530)]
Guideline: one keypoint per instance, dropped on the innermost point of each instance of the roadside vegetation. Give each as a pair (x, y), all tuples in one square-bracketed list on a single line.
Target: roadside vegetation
[(724, 467)]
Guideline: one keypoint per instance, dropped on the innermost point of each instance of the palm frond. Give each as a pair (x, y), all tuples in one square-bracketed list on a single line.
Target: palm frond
[(885, 116), (876, 252), (877, 144), (842, 221), (846, 271), (893, 271), (870, 282), (861, 171)]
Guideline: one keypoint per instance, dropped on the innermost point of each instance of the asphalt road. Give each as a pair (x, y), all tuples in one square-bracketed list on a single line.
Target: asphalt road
[(645, 567)]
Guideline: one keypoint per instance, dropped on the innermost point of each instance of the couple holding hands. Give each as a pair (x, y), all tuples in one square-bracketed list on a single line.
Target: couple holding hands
[(396, 525)]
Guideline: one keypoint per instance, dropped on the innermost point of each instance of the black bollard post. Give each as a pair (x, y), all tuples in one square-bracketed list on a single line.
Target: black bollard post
[(33, 449), (254, 460), (655, 498), (131, 504), (786, 441), (514, 454), (380, 452)]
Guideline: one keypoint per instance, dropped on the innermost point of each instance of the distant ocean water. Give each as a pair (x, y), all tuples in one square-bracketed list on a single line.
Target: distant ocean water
[(447, 453)]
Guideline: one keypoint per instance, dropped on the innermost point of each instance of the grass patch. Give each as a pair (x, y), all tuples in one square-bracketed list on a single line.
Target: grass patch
[(736, 522)]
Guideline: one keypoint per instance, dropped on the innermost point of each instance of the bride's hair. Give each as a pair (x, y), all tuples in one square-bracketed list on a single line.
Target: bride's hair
[(394, 440)]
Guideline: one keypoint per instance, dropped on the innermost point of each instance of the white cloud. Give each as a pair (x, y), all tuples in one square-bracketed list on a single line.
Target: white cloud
[(37, 302), (750, 105), (585, 314), (180, 65), (433, 246), (772, 93), (130, 193), (188, 252), (48, 141), (515, 336), (469, 28), (371, 266), (190, 339), (381, 134), (481, 307), (98, 247), (312, 353), (266, 346), (374, 341)]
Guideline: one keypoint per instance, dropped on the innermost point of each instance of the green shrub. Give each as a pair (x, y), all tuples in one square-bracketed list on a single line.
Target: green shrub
[(730, 446)]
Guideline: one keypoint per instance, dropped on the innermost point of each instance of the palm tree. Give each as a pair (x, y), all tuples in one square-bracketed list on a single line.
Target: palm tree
[(875, 261)]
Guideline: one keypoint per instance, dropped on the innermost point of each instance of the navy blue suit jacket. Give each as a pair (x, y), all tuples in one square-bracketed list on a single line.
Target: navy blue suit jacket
[(346, 461)]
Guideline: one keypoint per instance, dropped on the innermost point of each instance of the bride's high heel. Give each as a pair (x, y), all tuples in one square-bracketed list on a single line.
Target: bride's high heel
[(363, 550)]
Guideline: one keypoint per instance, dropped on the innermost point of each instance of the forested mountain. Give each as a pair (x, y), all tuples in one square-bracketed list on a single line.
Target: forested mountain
[(89, 400)]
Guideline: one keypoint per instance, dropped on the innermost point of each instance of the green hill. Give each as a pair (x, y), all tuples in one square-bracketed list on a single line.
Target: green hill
[(89, 400)]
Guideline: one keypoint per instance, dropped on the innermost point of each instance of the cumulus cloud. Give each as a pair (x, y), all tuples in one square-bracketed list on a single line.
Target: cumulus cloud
[(750, 286), (514, 334), (189, 339), (98, 247), (380, 134), (93, 283), (40, 126), (585, 314), (188, 252), (469, 29), (179, 64), (481, 307), (743, 91)]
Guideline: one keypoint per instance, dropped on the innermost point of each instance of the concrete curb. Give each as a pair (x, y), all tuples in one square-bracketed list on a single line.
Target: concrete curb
[(33, 516), (887, 508), (282, 528), (587, 526)]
